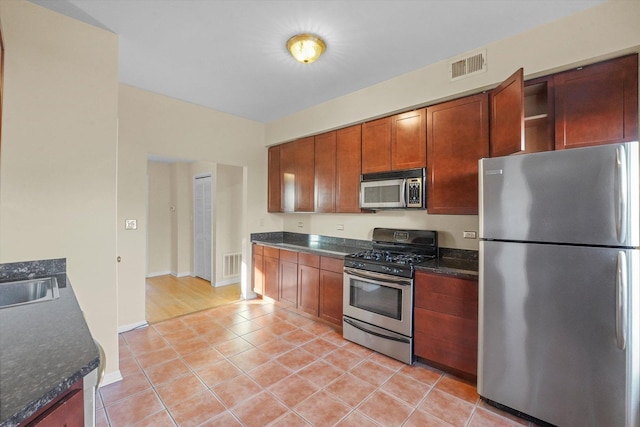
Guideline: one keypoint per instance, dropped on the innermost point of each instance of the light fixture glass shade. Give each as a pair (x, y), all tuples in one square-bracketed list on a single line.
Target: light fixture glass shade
[(306, 48)]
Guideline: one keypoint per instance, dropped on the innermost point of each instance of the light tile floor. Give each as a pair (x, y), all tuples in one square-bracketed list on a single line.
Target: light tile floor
[(254, 363)]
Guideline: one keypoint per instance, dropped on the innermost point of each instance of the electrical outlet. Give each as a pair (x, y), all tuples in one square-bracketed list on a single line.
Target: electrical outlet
[(300, 224), (469, 234), (340, 227)]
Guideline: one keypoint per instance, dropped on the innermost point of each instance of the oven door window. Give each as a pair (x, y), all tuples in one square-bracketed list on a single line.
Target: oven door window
[(376, 298)]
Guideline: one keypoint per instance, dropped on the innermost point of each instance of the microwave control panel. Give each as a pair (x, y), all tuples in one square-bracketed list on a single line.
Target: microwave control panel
[(414, 192)]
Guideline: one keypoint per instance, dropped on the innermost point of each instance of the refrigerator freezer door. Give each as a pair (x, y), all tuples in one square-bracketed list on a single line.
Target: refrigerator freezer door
[(582, 196), (549, 332)]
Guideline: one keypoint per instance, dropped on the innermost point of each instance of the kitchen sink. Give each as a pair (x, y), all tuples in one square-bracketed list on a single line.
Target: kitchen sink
[(28, 291)]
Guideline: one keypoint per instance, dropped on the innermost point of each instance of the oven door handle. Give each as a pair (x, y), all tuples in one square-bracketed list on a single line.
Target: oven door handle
[(377, 276), (377, 334)]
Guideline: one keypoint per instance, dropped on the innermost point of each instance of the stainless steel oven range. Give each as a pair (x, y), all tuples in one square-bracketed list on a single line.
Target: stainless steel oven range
[(378, 290)]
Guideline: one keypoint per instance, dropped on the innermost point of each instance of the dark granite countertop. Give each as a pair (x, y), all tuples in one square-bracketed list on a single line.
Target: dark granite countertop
[(453, 262), (45, 347), (309, 243)]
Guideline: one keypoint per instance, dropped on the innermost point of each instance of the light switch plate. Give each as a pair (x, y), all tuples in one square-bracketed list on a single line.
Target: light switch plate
[(130, 224)]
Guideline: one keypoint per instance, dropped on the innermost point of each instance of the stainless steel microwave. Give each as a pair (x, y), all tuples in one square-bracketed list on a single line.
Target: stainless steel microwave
[(393, 190)]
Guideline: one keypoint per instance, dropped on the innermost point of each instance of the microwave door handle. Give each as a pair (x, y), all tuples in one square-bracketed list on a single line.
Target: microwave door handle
[(405, 193)]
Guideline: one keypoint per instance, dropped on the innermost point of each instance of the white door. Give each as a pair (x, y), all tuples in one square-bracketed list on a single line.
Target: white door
[(202, 226)]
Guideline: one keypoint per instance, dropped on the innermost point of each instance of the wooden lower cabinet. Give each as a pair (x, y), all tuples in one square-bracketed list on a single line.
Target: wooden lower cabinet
[(331, 293), (271, 272), (289, 277), (446, 321), (67, 411), (257, 261), (312, 283), (308, 282)]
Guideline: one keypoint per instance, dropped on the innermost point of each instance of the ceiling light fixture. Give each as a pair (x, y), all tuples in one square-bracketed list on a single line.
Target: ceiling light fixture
[(306, 48)]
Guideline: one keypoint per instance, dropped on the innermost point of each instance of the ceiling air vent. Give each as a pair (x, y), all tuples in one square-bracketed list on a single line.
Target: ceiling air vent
[(467, 65)]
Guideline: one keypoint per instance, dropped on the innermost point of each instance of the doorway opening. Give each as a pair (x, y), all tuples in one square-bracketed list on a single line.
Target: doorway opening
[(194, 223)]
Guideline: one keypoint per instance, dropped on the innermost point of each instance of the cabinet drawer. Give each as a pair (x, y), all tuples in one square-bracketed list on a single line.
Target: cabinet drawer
[(309, 260), (288, 256), (271, 252), (450, 295), (258, 249), (447, 353), (447, 327), (332, 264)]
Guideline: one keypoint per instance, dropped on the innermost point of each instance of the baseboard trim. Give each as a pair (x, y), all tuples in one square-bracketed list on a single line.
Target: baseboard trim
[(132, 326), (110, 378), (159, 273), (227, 282), (183, 274)]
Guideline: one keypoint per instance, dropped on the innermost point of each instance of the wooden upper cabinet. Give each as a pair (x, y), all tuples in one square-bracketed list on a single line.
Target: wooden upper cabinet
[(507, 116), (539, 110), (376, 145), (457, 138), (597, 104), (274, 185), (409, 140), (325, 172), (297, 175), (348, 169)]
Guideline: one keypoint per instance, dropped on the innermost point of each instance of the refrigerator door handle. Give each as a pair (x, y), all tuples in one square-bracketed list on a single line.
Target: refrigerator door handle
[(621, 205), (621, 301)]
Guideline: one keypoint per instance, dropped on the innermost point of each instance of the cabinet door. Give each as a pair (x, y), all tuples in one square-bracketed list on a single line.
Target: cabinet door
[(348, 169), (409, 140), (304, 179), (297, 175), (457, 138), (289, 277), (325, 172), (274, 184), (376, 145), (271, 277), (308, 287), (507, 116), (597, 104), (258, 271), (288, 176), (331, 296)]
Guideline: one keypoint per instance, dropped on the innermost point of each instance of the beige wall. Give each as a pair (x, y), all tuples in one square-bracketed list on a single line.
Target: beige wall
[(181, 220), (227, 203), (156, 124), (58, 163), (159, 243), (605, 31)]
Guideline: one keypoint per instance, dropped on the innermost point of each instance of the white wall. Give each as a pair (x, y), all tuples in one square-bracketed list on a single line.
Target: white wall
[(58, 163)]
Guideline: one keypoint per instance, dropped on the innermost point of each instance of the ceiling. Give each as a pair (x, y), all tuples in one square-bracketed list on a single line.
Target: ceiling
[(230, 55)]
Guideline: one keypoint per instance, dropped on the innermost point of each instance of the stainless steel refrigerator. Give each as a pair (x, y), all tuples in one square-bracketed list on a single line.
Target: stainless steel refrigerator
[(559, 296)]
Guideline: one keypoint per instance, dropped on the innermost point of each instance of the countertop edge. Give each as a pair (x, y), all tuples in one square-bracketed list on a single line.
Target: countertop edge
[(84, 356)]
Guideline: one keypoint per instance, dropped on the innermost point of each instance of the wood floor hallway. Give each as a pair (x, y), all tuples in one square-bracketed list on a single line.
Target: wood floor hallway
[(170, 296)]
